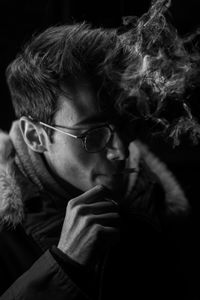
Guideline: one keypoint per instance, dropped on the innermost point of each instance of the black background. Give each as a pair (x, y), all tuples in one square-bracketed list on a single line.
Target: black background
[(19, 19)]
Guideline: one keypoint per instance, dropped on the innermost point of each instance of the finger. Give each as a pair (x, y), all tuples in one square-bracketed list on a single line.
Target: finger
[(105, 234), (90, 196), (99, 207), (105, 220)]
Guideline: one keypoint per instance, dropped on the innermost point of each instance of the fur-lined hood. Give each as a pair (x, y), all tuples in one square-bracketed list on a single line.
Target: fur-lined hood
[(12, 181)]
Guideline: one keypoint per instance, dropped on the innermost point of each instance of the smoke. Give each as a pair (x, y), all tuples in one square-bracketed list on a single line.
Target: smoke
[(155, 70)]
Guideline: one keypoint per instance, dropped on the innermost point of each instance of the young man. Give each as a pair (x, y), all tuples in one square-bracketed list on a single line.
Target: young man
[(82, 203)]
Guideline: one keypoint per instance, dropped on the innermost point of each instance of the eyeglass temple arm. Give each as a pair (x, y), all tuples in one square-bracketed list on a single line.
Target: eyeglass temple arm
[(56, 129)]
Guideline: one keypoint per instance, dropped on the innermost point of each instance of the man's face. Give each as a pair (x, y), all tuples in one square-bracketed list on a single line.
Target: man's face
[(67, 157)]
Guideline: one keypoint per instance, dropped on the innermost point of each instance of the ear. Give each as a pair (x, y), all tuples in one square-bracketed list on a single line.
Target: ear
[(34, 136)]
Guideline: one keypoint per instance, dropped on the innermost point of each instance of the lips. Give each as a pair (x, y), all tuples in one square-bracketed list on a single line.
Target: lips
[(117, 170), (128, 171), (121, 172)]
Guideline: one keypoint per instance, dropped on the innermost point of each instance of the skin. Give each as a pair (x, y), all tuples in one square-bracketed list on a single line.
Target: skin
[(66, 156), (92, 219)]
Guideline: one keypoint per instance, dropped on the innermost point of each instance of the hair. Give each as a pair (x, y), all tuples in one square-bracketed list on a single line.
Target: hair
[(57, 57), (143, 70)]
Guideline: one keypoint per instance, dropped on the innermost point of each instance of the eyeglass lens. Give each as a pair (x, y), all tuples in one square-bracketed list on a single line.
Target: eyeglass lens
[(97, 139)]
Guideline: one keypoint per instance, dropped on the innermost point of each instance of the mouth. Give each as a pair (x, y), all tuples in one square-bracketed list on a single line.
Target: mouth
[(119, 173), (127, 171)]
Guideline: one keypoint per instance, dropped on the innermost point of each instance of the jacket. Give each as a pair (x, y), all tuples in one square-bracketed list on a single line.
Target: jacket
[(32, 210)]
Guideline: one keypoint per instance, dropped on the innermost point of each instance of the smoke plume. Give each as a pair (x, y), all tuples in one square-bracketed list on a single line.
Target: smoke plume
[(158, 71)]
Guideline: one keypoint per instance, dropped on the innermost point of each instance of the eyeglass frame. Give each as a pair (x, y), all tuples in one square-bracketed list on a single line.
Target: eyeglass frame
[(81, 136)]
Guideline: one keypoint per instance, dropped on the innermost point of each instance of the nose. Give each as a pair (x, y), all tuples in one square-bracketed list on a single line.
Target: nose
[(116, 148)]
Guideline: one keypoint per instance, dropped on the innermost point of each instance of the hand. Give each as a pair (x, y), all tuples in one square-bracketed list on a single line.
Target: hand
[(91, 224)]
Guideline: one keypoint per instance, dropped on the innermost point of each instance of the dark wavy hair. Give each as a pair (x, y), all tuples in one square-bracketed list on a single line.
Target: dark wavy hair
[(143, 70), (59, 56)]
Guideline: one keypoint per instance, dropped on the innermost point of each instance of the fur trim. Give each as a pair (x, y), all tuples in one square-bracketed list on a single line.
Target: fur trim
[(6, 149), (11, 184), (11, 205)]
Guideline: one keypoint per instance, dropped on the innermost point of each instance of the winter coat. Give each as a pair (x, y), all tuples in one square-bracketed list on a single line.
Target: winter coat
[(141, 266)]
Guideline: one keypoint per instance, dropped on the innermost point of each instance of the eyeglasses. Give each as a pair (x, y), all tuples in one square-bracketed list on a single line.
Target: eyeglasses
[(93, 140)]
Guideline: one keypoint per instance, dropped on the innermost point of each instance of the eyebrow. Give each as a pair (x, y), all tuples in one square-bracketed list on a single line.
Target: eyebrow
[(100, 118)]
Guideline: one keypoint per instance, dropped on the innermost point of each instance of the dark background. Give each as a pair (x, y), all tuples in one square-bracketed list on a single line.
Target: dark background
[(19, 19)]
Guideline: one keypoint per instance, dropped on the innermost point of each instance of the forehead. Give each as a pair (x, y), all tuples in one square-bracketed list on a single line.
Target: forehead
[(80, 105)]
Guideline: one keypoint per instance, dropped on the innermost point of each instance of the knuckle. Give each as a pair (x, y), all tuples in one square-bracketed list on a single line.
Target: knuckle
[(86, 221), (81, 210), (70, 204), (98, 233), (105, 232), (75, 201), (98, 228)]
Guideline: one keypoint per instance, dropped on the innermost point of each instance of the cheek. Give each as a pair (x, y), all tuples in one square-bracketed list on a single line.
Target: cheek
[(71, 157), (76, 166)]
